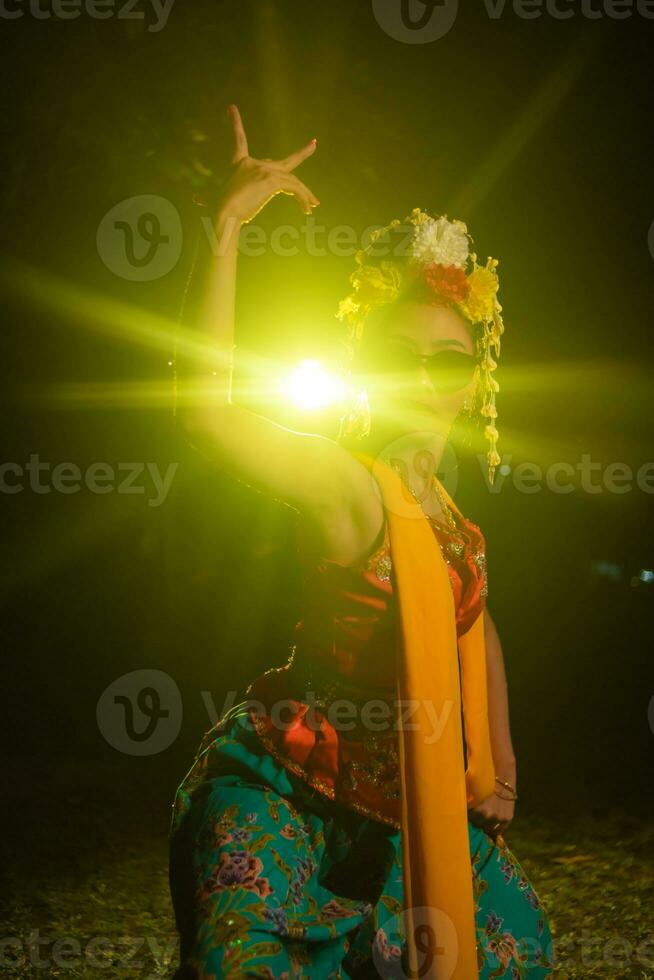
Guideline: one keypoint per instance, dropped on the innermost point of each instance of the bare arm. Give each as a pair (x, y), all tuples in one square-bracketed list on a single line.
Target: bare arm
[(496, 812), (498, 705), (306, 471)]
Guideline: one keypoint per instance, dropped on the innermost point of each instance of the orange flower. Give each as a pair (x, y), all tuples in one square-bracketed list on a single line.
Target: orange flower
[(448, 282)]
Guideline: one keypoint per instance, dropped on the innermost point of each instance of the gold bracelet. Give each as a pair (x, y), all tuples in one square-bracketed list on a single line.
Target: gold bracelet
[(507, 786)]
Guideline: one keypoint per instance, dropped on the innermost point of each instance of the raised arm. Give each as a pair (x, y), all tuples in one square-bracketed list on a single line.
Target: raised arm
[(309, 472)]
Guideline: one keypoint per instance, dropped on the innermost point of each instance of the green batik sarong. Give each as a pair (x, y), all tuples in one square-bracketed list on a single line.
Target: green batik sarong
[(270, 878)]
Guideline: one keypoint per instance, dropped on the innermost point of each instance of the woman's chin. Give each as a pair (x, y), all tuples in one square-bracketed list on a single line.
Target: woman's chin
[(423, 420), (421, 416)]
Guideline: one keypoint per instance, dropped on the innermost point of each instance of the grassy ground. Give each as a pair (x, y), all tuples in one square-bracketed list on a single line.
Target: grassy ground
[(84, 855), (595, 878)]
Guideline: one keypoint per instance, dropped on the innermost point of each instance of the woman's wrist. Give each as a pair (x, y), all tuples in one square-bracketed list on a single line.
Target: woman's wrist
[(506, 768), (227, 227)]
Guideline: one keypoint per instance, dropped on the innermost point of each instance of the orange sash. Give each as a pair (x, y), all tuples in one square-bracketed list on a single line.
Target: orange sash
[(436, 791)]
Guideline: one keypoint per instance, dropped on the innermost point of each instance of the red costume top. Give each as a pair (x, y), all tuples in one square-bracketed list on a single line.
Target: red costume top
[(330, 714)]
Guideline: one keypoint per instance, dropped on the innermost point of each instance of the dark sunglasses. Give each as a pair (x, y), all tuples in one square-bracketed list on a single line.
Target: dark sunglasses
[(449, 370)]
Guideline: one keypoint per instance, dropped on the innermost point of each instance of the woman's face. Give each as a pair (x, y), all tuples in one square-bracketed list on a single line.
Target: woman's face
[(408, 394)]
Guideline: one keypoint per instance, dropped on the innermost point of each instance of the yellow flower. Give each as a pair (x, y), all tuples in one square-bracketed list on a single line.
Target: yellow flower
[(348, 309), (377, 284), (488, 362), (419, 217), (480, 302)]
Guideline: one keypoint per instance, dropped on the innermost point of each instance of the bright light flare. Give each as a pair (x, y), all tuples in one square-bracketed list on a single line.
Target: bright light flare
[(311, 387)]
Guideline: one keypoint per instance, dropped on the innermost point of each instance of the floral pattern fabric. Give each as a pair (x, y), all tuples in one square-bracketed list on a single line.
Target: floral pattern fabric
[(271, 879)]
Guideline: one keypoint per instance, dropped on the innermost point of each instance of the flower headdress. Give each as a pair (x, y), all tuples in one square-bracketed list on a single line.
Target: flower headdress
[(432, 260)]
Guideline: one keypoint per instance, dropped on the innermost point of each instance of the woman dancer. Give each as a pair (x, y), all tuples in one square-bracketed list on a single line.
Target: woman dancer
[(347, 820)]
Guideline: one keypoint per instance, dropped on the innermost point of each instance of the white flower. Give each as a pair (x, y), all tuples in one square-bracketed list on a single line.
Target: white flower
[(442, 241)]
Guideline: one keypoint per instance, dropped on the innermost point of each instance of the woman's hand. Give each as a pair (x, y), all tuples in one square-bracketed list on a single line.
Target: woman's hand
[(252, 183), (496, 809)]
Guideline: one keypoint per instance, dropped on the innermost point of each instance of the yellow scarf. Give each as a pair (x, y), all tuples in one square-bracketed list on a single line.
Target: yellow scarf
[(436, 791)]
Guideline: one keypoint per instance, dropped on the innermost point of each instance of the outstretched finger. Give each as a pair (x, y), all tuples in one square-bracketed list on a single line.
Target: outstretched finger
[(294, 159), (289, 184), (240, 139)]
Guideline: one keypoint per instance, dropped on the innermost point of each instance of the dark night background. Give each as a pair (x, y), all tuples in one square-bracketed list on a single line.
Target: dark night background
[(537, 133)]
